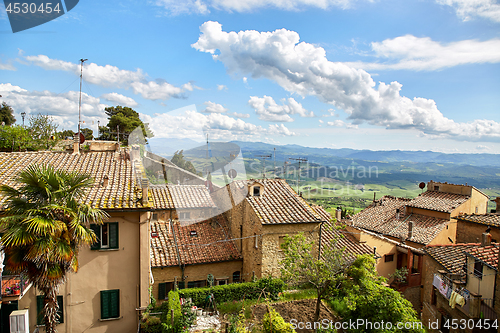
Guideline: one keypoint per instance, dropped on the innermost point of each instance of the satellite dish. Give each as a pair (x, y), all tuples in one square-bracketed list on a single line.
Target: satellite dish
[(421, 185), (82, 138)]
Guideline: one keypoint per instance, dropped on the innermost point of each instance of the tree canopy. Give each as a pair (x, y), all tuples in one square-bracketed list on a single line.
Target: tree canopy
[(7, 115), (179, 160), (123, 120)]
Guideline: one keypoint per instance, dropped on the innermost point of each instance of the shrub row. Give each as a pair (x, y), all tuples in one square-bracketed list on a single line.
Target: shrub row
[(266, 287)]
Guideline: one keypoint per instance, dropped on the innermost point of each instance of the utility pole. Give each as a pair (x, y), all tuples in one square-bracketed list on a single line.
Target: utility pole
[(80, 102), (264, 157), (298, 176)]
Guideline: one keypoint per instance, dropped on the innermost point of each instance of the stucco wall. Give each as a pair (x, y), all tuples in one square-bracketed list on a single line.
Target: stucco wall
[(470, 232), (484, 286), (450, 230), (104, 270)]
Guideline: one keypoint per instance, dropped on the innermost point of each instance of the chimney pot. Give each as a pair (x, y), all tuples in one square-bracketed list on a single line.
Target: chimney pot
[(105, 181), (76, 144), (410, 229), (486, 239)]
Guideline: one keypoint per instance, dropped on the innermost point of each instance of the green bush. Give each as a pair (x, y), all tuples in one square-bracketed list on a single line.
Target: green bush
[(273, 322), (175, 304), (236, 291), (151, 324)]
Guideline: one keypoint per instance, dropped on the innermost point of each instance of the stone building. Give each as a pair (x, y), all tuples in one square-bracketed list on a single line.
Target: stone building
[(260, 214), (470, 227), (460, 283)]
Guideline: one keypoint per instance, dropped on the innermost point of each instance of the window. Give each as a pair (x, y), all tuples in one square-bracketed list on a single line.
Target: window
[(436, 188), (197, 284), (236, 276), (107, 235), (477, 209), (221, 282), (40, 312), (416, 261), (163, 289), (110, 304), (184, 215), (434, 296), (389, 257), (478, 269), (256, 191)]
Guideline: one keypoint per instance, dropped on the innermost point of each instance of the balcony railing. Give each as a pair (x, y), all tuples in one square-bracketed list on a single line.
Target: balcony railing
[(13, 285)]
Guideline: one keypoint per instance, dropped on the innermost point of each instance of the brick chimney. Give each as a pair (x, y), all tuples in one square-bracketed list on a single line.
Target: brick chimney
[(486, 238), (410, 229), (145, 188), (397, 213), (76, 144), (105, 181), (338, 214)]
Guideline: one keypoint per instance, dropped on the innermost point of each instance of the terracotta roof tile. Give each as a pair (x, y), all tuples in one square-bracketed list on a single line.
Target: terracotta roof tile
[(487, 254), (450, 256), (202, 242), (381, 217), (438, 201), (342, 239), (190, 196), (119, 194), (487, 219), (280, 204)]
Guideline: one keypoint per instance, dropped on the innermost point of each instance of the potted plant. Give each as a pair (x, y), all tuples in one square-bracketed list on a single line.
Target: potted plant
[(16, 290)]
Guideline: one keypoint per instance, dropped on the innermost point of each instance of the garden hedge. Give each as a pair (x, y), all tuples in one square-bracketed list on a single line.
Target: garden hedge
[(235, 292)]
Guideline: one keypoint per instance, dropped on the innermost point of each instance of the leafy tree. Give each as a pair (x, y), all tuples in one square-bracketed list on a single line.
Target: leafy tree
[(43, 131), (66, 134), (179, 160), (104, 133), (87, 133), (14, 138), (126, 119), (362, 295), (7, 115), (44, 227), (301, 265)]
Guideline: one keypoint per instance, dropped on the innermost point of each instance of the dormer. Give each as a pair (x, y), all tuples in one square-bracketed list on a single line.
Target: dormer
[(255, 189)]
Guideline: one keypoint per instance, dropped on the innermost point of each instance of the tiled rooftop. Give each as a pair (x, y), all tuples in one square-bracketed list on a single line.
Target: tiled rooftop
[(120, 192), (438, 201), (450, 256), (487, 219), (330, 233), (280, 204), (197, 243), (487, 254), (381, 217), (190, 196)]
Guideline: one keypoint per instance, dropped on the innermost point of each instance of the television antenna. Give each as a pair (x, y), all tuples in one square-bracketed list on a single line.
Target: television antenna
[(80, 102), (298, 176), (264, 157)]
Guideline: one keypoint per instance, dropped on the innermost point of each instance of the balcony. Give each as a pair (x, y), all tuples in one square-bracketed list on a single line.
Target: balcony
[(14, 287)]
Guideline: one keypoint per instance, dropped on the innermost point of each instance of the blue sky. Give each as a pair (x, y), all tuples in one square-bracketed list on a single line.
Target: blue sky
[(409, 75)]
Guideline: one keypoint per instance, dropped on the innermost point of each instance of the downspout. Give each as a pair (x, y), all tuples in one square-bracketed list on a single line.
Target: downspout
[(177, 251), (319, 243)]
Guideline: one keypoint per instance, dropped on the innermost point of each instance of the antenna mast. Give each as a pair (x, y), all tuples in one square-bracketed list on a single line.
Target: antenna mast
[(264, 157), (80, 102), (274, 162), (298, 176)]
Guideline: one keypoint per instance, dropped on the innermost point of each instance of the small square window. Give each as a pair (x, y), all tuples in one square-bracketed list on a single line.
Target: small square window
[(256, 191), (107, 235), (436, 188), (389, 257), (478, 269)]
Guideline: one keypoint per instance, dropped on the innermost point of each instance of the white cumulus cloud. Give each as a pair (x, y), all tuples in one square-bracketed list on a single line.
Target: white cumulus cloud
[(414, 53), (112, 76), (303, 68), (203, 6), (269, 110), (120, 99), (62, 107), (212, 107), (469, 9)]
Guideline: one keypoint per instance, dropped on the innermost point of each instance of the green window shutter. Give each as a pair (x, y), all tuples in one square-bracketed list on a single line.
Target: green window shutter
[(61, 309), (113, 235), (110, 304), (97, 231), (181, 284), (162, 288), (114, 306), (39, 310), (190, 284)]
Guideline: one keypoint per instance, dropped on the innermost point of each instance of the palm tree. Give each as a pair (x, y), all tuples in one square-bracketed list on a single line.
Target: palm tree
[(45, 224)]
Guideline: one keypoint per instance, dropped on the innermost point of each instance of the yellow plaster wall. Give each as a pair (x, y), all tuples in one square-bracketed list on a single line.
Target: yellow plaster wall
[(450, 230), (484, 286), (103, 270)]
